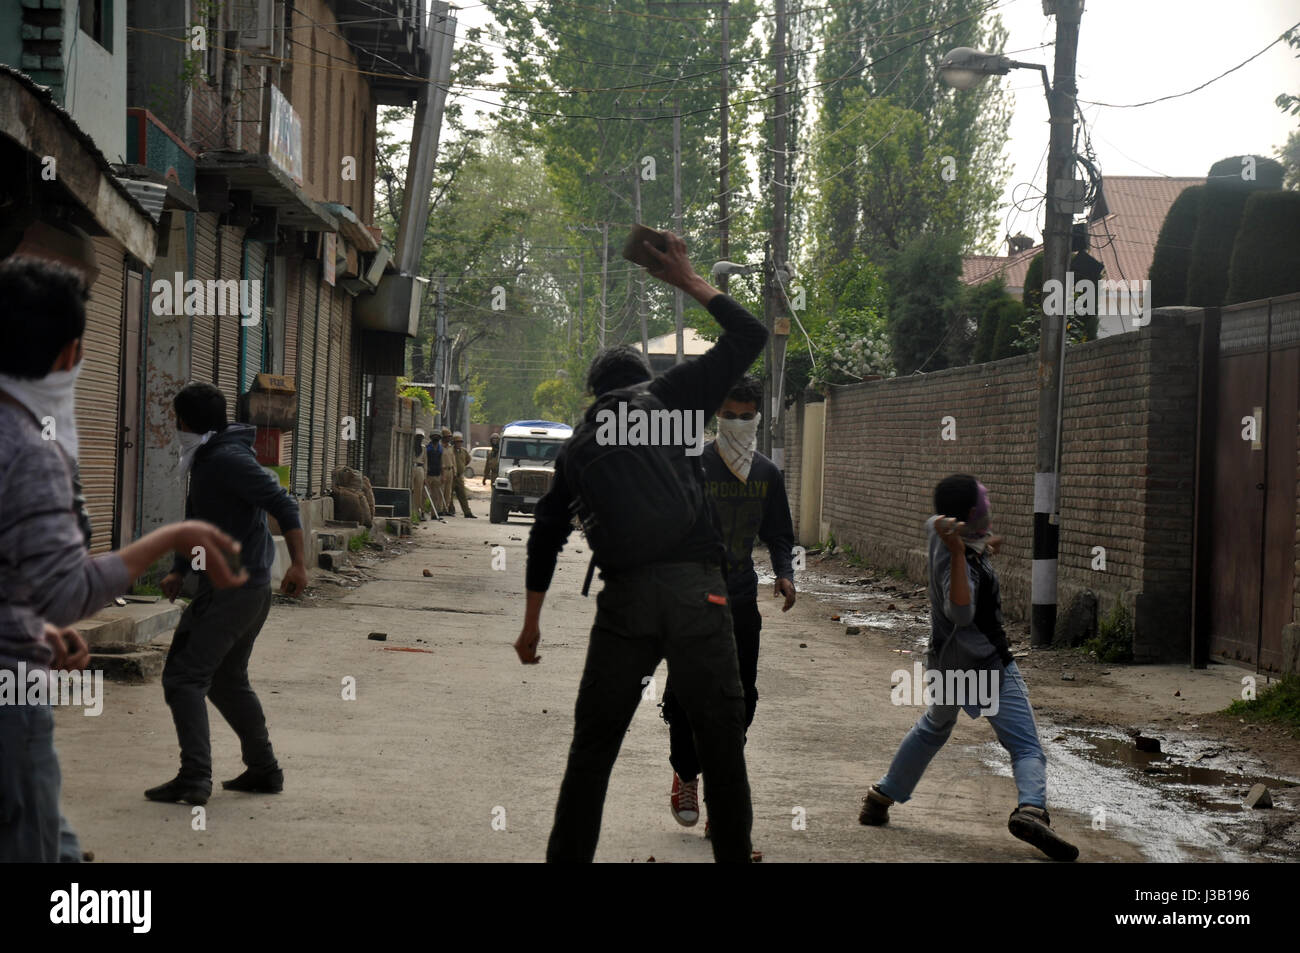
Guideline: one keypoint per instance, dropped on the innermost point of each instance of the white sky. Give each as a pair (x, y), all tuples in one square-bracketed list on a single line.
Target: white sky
[(1131, 51)]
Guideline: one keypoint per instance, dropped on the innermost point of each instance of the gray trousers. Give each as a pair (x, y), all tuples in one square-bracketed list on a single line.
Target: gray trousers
[(209, 661), (32, 830)]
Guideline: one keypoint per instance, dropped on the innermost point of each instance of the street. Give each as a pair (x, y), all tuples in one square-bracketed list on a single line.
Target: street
[(449, 733)]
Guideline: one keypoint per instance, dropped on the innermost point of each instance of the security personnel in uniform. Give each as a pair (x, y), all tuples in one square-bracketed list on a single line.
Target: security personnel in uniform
[(462, 461), (493, 465), (448, 473)]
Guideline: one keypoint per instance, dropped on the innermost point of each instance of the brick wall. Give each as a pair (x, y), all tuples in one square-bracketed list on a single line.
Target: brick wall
[(1127, 471)]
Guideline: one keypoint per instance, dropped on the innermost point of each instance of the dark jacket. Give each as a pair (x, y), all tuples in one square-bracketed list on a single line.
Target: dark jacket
[(698, 384), (231, 490), (755, 509)]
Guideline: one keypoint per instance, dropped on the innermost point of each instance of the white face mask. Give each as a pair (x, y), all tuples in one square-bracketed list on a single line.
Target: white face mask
[(52, 400), (190, 444), (736, 441)]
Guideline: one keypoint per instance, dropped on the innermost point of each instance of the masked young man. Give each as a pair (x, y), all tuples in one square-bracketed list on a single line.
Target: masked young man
[(748, 495), (48, 580)]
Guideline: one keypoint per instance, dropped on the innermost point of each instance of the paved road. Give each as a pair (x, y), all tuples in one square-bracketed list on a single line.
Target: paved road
[(442, 741)]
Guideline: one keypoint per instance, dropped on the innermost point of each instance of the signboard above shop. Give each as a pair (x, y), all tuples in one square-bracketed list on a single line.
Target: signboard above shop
[(284, 135)]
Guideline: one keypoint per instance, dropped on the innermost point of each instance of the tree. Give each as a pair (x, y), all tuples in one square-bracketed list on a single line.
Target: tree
[(895, 152), (924, 284), (1267, 248)]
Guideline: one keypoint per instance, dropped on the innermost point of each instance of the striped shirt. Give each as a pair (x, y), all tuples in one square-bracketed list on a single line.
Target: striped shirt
[(45, 573)]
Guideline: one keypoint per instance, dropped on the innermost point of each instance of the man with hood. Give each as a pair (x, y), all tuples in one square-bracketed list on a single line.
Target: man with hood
[(215, 636), (748, 495)]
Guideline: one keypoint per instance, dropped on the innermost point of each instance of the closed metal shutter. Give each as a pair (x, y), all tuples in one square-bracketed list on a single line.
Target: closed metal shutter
[(335, 385), (228, 328), (202, 327), (292, 287), (320, 384), (99, 393), (309, 295), (255, 334), (351, 393)]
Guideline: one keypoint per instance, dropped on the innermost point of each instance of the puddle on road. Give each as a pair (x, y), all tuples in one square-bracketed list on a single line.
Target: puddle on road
[(1172, 807), (862, 602)]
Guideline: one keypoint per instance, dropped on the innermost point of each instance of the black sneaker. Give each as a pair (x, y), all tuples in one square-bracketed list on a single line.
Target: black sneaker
[(1033, 826), (181, 789), (257, 782), (470, 516), (875, 808)]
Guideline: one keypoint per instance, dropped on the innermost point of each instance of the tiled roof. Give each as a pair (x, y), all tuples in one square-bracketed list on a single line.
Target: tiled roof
[(1123, 227)]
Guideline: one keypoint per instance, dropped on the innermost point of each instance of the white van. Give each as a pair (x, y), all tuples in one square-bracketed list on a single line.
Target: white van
[(526, 466)]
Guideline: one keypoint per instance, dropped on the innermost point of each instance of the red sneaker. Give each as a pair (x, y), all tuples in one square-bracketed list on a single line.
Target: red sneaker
[(685, 801)]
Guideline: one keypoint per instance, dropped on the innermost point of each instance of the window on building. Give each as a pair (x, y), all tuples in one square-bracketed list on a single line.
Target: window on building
[(95, 18)]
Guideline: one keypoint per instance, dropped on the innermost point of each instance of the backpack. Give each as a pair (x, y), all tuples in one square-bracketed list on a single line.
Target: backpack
[(636, 504)]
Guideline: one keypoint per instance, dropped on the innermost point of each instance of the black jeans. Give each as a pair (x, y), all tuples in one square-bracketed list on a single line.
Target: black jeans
[(642, 617), (682, 756), (209, 660)]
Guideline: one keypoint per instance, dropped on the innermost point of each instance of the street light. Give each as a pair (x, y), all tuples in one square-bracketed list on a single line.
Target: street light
[(964, 67), (721, 268)]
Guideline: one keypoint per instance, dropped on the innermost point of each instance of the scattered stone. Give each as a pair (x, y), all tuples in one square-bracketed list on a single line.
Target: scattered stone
[(650, 859), (1020, 655), (853, 630), (891, 608), (543, 711), (803, 645), (1178, 694), (88, 856), (1059, 738), (378, 636), (1259, 797), (1143, 743), (578, 551), (427, 574), (835, 618), (1067, 677)]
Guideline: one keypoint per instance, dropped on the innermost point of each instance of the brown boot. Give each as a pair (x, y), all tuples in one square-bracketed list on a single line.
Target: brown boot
[(1033, 826), (875, 808)]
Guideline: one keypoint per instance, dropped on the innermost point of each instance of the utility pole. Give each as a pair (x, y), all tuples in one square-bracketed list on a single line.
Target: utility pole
[(774, 260), (677, 220), (440, 350), (604, 282), (582, 257), (1062, 203), (724, 148), (640, 278)]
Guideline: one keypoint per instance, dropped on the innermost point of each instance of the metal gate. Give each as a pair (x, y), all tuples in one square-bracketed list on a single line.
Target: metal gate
[(1253, 514)]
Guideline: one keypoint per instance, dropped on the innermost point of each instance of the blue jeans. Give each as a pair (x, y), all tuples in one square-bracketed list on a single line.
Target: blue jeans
[(1013, 724), (31, 828)]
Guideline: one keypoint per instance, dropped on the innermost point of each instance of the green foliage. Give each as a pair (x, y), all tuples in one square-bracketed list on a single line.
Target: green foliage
[(976, 312), (1290, 154), (1285, 101), (1279, 703), (1173, 250), (1078, 327), (420, 394), (924, 284), (1114, 639), (559, 399), (358, 542), (1211, 254), (1267, 249), (879, 174)]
